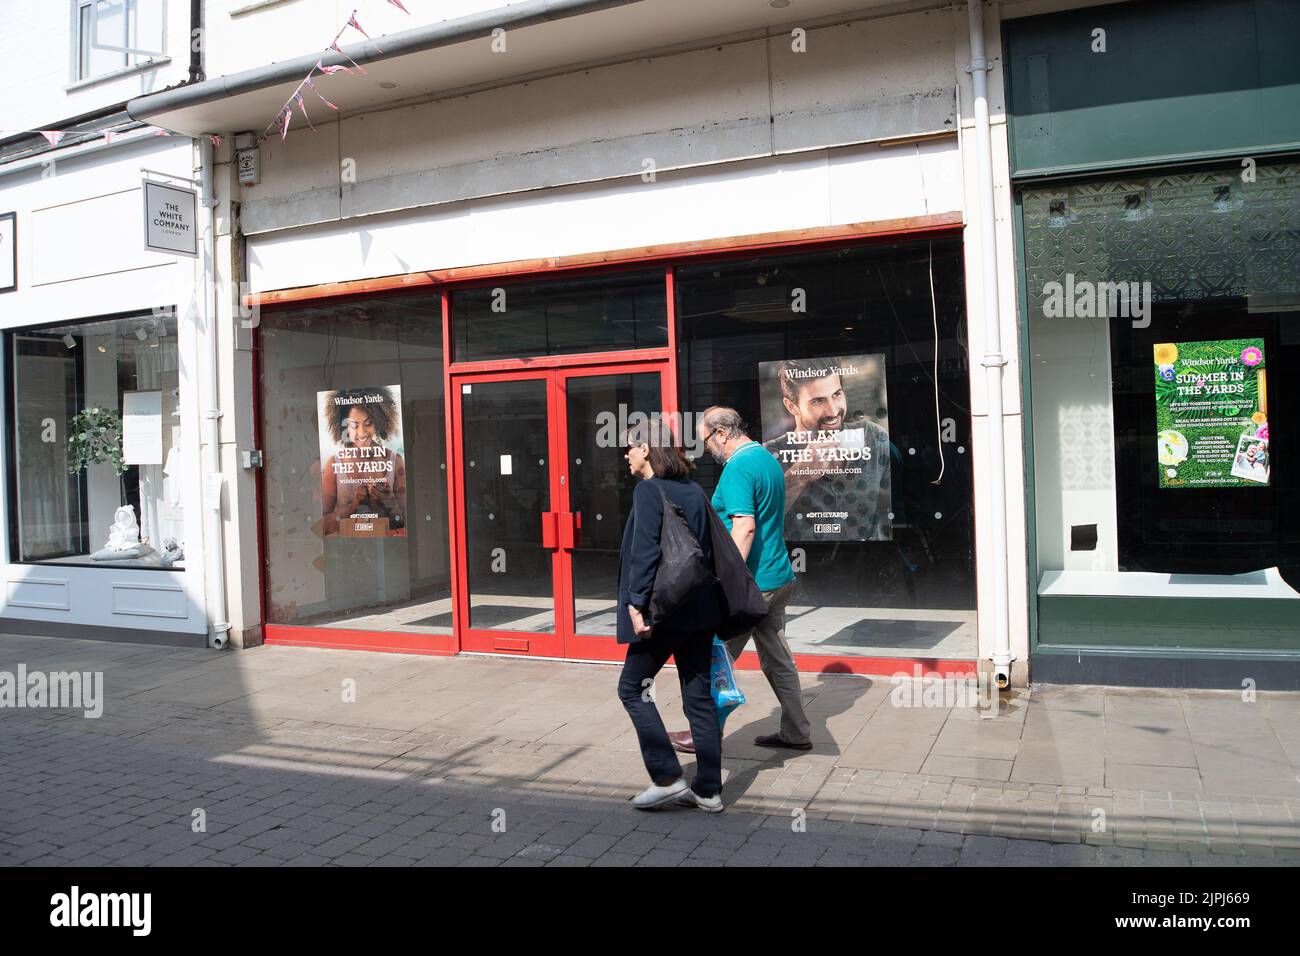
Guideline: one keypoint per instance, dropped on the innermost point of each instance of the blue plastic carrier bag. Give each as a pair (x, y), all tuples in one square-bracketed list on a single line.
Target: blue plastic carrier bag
[(727, 695)]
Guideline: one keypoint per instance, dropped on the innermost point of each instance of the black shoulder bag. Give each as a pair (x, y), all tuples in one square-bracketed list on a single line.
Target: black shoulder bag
[(682, 568), (745, 606)]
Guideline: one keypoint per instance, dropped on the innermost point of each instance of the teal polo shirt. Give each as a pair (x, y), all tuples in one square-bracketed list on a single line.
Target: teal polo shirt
[(753, 484)]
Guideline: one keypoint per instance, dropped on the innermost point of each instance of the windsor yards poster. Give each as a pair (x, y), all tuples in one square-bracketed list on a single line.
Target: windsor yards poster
[(1212, 414), (363, 473)]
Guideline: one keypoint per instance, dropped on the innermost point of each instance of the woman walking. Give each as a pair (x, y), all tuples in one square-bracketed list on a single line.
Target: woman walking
[(686, 634)]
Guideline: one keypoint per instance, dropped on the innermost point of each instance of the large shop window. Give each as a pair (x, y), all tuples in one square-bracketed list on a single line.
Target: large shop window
[(96, 460), (560, 317), (355, 473), (848, 351), (1164, 319)]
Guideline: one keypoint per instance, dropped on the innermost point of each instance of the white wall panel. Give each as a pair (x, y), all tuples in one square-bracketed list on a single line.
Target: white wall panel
[(87, 237), (871, 79), (834, 187), (139, 599), (104, 597), (49, 594), (860, 82)]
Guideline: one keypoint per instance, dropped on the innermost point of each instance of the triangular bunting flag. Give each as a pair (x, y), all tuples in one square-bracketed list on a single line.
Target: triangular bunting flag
[(318, 94), (331, 70), (335, 47), (297, 97), (352, 22)]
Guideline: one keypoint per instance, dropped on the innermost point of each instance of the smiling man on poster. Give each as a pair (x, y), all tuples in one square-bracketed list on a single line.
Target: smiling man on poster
[(832, 443)]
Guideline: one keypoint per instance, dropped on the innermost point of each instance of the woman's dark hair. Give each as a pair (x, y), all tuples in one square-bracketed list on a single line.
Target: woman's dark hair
[(667, 460), (376, 402)]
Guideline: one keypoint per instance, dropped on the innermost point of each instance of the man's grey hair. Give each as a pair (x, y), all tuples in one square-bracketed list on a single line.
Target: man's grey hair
[(728, 419)]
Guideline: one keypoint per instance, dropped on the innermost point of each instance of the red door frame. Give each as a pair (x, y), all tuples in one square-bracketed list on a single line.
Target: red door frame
[(564, 643), (668, 259), (596, 647)]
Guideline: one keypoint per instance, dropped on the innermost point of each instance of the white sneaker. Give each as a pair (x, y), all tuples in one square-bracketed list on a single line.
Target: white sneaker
[(711, 804), (655, 796)]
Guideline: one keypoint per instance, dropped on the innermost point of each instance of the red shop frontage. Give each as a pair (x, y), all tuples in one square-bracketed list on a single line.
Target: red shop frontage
[(444, 472)]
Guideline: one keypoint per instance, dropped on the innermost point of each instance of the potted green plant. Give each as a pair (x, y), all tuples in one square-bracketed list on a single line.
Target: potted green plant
[(95, 438)]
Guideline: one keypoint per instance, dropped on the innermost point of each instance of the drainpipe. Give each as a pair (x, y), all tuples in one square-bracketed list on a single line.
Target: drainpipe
[(197, 41), (993, 360), (212, 477)]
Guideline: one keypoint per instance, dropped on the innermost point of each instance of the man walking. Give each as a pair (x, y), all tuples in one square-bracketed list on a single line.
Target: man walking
[(750, 499)]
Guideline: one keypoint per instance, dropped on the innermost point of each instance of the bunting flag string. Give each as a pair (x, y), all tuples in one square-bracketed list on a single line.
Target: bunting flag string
[(312, 86), (303, 106), (352, 22), (56, 136), (82, 136), (284, 118), (335, 47)]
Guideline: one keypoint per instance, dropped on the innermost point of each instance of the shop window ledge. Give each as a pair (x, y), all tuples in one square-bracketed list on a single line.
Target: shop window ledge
[(1266, 583)]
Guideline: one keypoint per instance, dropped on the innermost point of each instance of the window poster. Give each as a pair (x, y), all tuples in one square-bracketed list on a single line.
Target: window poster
[(142, 428), (1212, 414), (363, 474), (826, 421)]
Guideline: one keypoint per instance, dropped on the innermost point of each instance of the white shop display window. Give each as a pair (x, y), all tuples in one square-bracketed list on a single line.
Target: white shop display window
[(95, 453)]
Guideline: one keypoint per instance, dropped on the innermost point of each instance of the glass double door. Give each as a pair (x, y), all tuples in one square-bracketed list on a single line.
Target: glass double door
[(542, 494)]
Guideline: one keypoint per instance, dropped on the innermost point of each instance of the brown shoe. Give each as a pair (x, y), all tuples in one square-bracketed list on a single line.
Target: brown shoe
[(776, 740), (682, 742)]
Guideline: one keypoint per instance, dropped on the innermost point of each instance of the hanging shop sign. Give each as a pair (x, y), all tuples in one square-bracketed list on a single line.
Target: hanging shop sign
[(170, 222), (1212, 414), (827, 422), (363, 473)]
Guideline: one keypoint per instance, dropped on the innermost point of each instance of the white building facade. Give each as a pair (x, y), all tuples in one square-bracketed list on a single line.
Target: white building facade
[(640, 179), (104, 536), (441, 264)]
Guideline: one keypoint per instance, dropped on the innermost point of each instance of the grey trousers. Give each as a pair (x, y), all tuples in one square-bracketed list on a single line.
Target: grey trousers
[(778, 664)]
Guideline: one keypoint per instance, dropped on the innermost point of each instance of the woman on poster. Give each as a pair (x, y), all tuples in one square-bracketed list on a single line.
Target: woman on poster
[(363, 480)]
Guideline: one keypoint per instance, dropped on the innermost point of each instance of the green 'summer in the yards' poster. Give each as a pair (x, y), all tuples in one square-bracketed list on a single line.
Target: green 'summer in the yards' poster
[(1212, 414)]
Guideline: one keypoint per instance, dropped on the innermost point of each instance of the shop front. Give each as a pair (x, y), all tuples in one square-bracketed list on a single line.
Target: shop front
[(444, 465), (463, 293), (103, 533), (1161, 317)]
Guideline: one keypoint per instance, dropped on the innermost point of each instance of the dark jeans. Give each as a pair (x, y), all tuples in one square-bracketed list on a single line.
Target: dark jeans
[(693, 652)]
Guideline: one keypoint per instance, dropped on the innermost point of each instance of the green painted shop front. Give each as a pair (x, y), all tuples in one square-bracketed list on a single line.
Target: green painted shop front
[(1155, 163)]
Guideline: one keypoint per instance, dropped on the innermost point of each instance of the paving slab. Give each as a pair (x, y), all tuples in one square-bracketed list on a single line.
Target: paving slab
[(414, 769)]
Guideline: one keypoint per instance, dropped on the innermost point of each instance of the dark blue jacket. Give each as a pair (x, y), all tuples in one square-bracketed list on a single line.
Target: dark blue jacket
[(638, 558)]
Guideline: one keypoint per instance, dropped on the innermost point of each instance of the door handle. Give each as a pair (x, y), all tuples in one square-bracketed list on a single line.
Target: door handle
[(550, 538), (571, 530)]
